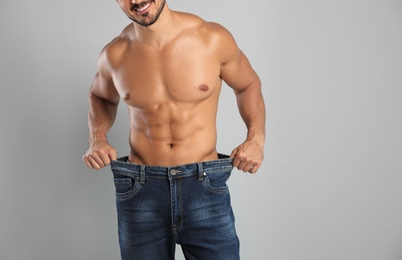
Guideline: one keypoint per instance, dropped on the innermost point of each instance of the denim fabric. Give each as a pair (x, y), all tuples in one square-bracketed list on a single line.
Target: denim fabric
[(189, 204)]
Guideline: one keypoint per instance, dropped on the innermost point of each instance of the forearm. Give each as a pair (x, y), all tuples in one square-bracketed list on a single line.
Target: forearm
[(252, 110), (101, 116)]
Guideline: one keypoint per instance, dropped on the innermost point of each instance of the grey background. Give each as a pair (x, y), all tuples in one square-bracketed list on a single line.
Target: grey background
[(331, 184)]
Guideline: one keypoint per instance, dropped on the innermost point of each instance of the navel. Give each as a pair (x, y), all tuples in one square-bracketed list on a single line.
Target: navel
[(203, 87)]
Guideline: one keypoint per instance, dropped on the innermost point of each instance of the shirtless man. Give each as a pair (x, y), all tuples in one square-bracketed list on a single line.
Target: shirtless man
[(168, 68)]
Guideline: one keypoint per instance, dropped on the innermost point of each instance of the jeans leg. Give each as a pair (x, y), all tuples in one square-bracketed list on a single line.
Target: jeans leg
[(208, 230), (144, 221)]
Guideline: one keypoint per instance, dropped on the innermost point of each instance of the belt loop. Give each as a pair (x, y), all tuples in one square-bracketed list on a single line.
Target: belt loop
[(200, 171), (142, 175)]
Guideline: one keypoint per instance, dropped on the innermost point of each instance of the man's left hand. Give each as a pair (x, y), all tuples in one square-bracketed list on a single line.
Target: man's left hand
[(248, 156)]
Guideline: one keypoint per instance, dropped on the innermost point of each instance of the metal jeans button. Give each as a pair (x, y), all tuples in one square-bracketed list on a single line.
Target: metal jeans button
[(174, 171)]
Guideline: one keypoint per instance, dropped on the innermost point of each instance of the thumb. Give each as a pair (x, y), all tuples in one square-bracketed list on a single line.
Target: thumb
[(234, 152), (113, 155)]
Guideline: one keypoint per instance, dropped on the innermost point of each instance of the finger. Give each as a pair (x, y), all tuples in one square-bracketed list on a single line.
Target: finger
[(91, 162), (96, 161), (86, 161), (236, 163), (239, 160), (243, 166), (254, 169), (105, 158), (248, 168), (248, 165)]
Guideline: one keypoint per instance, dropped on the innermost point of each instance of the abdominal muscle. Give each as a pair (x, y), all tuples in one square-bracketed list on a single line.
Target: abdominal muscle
[(161, 138)]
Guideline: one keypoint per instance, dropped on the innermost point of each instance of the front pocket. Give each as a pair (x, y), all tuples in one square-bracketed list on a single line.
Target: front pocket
[(126, 187), (216, 182)]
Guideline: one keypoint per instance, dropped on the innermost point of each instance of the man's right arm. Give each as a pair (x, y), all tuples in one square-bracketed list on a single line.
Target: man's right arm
[(103, 102)]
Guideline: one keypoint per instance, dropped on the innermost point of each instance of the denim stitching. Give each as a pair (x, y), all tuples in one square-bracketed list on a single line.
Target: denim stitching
[(217, 190), (131, 193)]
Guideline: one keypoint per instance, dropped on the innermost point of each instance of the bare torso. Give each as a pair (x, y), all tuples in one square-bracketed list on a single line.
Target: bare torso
[(168, 68), (171, 93)]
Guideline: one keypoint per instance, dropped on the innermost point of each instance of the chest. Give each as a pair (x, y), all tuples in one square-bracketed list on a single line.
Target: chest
[(182, 73)]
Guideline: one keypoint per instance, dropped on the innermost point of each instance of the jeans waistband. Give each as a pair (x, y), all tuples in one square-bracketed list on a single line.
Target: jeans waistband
[(122, 165)]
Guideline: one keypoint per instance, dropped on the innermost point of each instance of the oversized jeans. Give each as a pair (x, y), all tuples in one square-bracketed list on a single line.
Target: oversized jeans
[(187, 204)]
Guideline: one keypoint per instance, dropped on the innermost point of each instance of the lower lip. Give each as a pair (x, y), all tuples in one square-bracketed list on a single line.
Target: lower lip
[(146, 9)]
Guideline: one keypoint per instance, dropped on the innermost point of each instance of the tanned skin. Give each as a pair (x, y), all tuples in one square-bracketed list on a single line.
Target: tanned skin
[(168, 68)]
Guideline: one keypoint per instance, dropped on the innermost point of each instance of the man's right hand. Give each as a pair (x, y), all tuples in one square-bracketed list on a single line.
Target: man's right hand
[(99, 155)]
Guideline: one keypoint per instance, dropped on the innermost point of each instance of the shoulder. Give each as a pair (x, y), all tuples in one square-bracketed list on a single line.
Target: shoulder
[(220, 35), (217, 30), (221, 40), (113, 52), (209, 29), (214, 35)]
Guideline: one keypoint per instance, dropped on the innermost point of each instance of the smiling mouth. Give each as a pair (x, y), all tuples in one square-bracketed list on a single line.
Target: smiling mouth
[(139, 8)]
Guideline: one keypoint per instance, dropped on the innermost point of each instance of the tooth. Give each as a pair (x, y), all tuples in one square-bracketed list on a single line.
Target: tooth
[(143, 8)]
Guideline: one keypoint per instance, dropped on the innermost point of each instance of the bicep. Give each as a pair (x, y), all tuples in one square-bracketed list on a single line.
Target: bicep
[(103, 87), (235, 68), (237, 71)]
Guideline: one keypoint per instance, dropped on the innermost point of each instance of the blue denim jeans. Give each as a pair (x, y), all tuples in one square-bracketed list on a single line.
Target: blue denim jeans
[(189, 204)]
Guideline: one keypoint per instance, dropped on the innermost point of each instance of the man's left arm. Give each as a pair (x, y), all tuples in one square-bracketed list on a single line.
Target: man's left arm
[(237, 72), (248, 156)]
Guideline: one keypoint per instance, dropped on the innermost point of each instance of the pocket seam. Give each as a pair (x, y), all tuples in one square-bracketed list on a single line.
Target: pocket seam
[(130, 193), (223, 190)]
